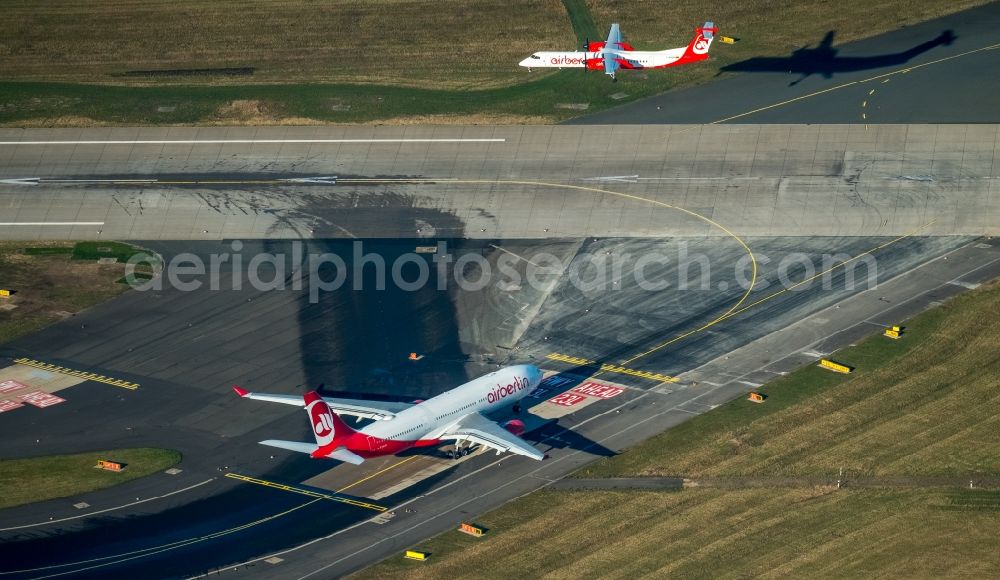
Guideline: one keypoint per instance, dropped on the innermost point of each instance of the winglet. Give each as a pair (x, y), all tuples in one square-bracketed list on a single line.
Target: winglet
[(240, 392)]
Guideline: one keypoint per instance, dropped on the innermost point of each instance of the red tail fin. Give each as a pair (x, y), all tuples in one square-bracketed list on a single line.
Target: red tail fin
[(702, 41), (326, 425)]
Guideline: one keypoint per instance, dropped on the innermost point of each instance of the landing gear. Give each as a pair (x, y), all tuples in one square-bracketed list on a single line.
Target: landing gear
[(516, 408), (461, 450)]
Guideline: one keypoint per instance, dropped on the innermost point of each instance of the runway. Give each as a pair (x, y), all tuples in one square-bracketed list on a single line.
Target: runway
[(831, 180)]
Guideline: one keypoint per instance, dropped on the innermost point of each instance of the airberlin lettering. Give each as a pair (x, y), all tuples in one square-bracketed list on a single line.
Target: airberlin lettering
[(502, 391), (566, 60)]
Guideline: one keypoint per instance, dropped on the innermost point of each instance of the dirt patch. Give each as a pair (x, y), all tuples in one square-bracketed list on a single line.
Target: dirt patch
[(49, 288), (61, 121), (254, 112), (478, 119)]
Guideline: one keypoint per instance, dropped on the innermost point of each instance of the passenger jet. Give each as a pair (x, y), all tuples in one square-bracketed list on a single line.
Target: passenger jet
[(457, 415), (614, 54)]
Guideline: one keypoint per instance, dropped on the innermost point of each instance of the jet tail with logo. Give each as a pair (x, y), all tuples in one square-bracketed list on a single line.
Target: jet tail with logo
[(702, 41), (329, 429)]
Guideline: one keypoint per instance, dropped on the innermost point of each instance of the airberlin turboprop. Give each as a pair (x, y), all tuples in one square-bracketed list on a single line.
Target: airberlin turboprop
[(614, 54), (457, 415)]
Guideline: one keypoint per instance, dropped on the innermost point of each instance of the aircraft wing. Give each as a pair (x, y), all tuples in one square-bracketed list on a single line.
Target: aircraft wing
[(614, 37), (611, 48), (480, 430), (355, 407)]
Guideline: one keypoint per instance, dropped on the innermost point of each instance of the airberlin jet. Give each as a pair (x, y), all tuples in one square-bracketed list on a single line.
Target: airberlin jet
[(614, 54), (458, 415)]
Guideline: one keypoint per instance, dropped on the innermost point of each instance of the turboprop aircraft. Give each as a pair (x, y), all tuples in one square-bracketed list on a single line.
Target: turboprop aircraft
[(614, 54), (458, 415)]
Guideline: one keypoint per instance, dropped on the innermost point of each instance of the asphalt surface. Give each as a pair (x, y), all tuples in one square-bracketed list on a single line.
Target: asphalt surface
[(934, 72), (186, 348)]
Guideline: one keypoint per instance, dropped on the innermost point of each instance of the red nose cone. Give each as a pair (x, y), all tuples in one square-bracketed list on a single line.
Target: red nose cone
[(515, 426)]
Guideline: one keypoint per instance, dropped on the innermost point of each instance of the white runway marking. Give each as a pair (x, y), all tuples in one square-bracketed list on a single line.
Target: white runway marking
[(636, 178), (111, 509), (247, 141), (51, 223)]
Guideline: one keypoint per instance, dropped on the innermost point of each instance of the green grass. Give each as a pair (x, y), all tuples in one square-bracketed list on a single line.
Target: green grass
[(398, 71), (35, 479), (97, 250), (925, 405), (48, 251), (54, 281), (583, 22), (720, 534)]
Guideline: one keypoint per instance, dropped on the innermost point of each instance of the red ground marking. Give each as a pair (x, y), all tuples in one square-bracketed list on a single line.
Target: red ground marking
[(595, 389), (8, 386), (567, 399), (8, 405), (41, 399)]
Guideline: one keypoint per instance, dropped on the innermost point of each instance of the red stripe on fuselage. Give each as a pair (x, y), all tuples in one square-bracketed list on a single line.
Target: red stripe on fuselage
[(367, 446)]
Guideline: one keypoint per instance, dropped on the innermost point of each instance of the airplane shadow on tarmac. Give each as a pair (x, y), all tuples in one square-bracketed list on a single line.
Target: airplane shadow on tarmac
[(823, 59)]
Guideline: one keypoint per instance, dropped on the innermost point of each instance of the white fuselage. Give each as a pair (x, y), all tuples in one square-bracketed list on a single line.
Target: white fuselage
[(487, 394), (633, 58)]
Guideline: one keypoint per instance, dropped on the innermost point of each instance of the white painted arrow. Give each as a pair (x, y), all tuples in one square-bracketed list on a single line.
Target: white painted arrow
[(636, 178), (329, 179), (21, 181), (618, 178)]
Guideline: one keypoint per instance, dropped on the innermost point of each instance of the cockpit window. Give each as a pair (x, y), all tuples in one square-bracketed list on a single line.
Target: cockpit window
[(535, 56)]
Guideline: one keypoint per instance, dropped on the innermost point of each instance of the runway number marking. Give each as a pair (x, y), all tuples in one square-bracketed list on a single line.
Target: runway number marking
[(599, 390), (41, 399), (568, 399), (8, 386), (8, 405)]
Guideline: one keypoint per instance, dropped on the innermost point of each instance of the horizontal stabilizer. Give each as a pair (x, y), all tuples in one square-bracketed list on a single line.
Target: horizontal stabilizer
[(343, 454), (291, 445)]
